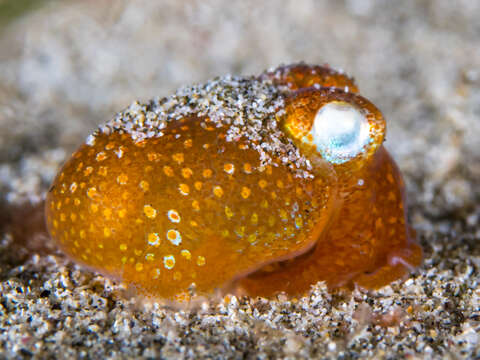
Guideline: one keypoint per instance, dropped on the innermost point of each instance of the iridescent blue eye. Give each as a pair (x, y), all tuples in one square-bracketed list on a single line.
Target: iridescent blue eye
[(340, 132)]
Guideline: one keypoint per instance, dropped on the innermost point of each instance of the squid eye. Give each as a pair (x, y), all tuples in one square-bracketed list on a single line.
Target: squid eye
[(340, 132)]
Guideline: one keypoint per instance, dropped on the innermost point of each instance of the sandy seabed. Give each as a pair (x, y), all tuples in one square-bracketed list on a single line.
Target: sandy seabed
[(70, 65)]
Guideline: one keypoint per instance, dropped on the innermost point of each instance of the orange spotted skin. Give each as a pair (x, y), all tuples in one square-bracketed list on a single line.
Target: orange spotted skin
[(165, 218), (302, 76), (194, 207), (368, 244)]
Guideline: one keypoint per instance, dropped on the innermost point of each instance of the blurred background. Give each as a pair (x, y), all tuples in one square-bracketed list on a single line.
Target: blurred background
[(66, 66)]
